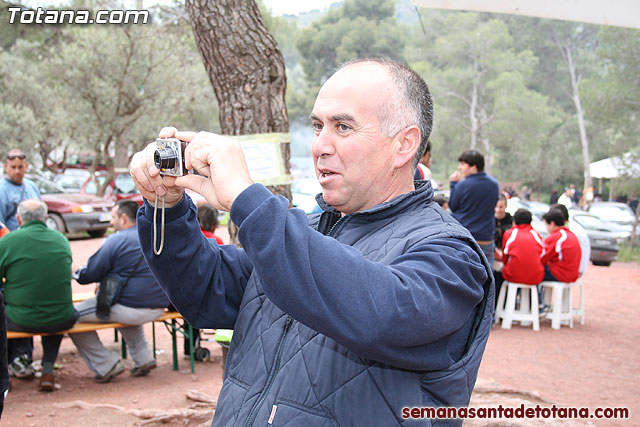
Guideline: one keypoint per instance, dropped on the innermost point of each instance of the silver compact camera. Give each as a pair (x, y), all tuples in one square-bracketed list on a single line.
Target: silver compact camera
[(169, 156)]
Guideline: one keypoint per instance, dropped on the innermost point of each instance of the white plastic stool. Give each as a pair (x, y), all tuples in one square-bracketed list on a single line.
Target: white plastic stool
[(561, 295), (528, 311), (579, 311)]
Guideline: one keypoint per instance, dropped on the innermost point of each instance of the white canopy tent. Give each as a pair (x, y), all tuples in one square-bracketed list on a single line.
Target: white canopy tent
[(620, 13), (615, 167)]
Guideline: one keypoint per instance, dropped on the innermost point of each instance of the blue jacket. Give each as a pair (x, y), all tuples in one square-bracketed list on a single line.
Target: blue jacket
[(342, 323), (473, 202), (119, 255), (11, 194)]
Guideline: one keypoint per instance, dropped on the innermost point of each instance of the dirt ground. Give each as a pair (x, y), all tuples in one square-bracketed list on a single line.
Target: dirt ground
[(594, 365)]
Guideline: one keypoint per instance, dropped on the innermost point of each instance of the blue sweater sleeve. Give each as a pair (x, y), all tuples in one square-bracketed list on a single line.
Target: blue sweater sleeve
[(98, 265), (384, 312), (204, 281)]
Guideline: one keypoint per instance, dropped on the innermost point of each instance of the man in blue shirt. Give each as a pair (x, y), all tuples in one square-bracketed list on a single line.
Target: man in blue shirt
[(473, 199), (14, 187), (139, 302)]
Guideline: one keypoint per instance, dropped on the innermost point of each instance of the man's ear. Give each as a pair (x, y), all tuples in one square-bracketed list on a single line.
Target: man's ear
[(407, 143), (18, 219)]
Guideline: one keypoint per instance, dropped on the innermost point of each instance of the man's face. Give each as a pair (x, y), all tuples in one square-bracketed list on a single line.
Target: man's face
[(116, 221), (15, 169), (353, 160), (466, 169)]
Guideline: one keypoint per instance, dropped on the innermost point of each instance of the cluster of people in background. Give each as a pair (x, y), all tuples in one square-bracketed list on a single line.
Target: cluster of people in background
[(522, 256), (518, 253), (35, 267)]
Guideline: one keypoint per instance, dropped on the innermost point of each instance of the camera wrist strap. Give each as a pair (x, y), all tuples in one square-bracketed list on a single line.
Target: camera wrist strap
[(155, 228)]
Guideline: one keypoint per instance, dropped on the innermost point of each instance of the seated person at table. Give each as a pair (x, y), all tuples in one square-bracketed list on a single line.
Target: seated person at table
[(35, 263), (140, 298), (561, 250), (522, 247)]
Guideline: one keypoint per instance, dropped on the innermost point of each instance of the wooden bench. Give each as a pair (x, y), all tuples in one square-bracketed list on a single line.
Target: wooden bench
[(169, 319)]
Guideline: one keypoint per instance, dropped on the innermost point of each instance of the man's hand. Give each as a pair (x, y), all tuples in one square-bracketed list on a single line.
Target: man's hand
[(221, 163), (455, 177), (147, 177)]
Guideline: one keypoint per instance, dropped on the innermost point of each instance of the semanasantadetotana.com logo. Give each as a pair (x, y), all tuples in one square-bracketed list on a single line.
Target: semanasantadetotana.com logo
[(66, 16)]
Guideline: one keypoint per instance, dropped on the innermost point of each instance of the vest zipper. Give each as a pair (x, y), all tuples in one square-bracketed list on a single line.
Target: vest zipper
[(272, 375), (334, 226)]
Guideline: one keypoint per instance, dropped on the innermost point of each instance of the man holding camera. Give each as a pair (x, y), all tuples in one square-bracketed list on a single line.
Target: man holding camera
[(139, 299), (380, 303)]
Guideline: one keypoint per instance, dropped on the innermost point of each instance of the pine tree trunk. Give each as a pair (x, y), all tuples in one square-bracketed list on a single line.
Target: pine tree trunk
[(575, 80), (246, 69)]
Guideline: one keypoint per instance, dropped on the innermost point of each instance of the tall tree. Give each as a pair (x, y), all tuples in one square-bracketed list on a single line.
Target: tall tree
[(126, 83), (473, 53), (106, 90), (246, 69), (567, 52), (612, 94), (32, 107)]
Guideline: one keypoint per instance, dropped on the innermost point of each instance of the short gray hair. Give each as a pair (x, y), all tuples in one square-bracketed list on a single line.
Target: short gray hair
[(32, 210), (413, 106)]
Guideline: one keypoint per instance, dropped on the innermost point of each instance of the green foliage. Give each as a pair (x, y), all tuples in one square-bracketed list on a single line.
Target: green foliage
[(476, 74), (358, 29), (612, 94), (629, 253), (32, 106), (107, 89), (113, 87)]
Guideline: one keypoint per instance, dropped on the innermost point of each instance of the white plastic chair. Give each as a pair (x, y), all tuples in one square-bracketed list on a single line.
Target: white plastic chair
[(528, 311)]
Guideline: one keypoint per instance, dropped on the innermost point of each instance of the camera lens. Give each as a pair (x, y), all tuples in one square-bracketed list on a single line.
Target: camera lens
[(165, 158)]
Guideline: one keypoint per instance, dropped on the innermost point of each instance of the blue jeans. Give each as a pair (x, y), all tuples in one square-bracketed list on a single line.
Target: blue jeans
[(548, 277)]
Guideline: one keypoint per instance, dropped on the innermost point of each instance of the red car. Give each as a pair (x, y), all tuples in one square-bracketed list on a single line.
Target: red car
[(73, 212)]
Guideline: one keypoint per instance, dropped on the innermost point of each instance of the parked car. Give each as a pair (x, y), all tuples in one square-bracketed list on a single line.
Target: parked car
[(121, 186), (618, 217), (537, 209), (71, 180), (73, 212), (604, 247)]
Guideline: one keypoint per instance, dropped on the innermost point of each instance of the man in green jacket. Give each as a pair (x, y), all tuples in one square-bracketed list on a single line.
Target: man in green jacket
[(35, 263)]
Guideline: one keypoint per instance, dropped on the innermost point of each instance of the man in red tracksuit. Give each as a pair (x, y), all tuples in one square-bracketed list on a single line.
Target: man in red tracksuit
[(522, 247), (561, 253)]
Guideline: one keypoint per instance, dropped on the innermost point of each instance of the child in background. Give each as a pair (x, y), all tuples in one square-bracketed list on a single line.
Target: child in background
[(208, 219), (441, 199)]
